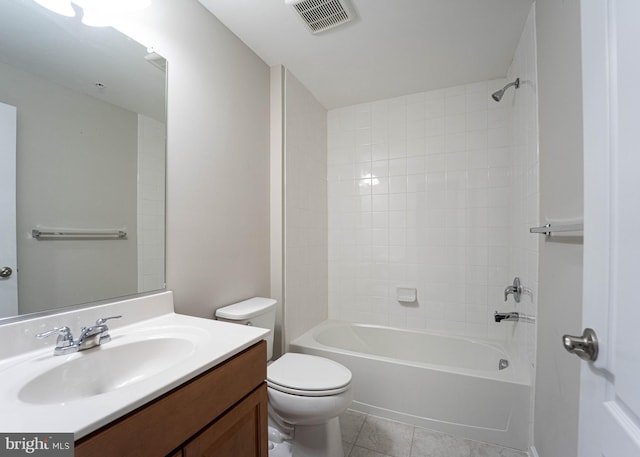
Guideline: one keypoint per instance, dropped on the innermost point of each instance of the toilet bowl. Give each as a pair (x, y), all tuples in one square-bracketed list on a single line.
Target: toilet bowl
[(306, 393)]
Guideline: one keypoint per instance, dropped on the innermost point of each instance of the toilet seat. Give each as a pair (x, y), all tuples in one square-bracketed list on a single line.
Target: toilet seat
[(308, 375)]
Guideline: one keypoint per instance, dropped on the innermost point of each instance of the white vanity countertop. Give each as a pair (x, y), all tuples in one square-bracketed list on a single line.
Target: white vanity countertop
[(204, 343)]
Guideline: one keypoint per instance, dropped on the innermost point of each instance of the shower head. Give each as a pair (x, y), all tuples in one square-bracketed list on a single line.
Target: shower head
[(497, 95)]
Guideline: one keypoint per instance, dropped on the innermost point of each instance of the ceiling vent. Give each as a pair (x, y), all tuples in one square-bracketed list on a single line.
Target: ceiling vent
[(322, 15)]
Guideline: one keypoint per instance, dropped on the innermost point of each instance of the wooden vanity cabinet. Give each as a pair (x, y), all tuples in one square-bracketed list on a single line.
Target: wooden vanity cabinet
[(237, 433), (222, 412)]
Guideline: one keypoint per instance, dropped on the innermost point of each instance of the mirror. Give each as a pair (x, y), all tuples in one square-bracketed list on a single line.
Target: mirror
[(90, 158)]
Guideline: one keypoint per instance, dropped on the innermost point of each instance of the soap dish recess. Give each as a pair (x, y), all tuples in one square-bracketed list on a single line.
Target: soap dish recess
[(406, 294)]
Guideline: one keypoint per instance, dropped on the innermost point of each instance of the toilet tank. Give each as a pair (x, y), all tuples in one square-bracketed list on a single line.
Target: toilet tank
[(256, 311)]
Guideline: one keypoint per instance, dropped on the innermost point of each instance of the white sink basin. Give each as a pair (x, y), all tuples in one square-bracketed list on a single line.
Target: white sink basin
[(105, 368), (82, 391)]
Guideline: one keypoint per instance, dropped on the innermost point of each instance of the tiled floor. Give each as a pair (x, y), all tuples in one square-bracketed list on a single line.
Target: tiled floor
[(370, 436)]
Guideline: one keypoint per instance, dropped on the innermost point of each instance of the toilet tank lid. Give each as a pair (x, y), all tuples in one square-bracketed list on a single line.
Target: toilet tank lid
[(246, 309)]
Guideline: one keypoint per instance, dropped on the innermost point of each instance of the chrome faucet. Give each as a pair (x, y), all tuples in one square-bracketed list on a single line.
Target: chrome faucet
[(65, 343), (89, 337), (515, 289), (512, 316), (95, 335)]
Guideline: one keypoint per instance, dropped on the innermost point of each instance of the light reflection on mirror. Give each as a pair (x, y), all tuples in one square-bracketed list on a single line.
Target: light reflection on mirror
[(95, 13)]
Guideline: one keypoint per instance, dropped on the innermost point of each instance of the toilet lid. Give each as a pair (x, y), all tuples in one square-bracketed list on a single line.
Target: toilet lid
[(303, 374)]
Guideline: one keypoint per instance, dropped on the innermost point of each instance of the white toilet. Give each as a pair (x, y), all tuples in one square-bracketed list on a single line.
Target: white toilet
[(306, 393)]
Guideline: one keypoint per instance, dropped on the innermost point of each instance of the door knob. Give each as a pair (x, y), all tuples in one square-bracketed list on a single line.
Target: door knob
[(5, 272), (585, 346)]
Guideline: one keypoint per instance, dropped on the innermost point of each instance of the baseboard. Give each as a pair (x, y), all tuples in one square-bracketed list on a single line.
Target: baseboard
[(533, 452)]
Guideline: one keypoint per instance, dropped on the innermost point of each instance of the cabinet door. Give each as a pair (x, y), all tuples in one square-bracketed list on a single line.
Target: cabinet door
[(241, 432)]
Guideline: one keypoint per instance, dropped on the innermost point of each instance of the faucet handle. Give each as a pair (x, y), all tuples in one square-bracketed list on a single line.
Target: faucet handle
[(102, 320), (515, 289), (104, 336), (64, 336)]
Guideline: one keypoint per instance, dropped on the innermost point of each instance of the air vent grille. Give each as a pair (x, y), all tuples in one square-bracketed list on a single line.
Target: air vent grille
[(321, 15)]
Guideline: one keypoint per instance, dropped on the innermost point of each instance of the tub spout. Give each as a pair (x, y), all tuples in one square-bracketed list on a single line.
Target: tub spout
[(513, 316), (499, 317)]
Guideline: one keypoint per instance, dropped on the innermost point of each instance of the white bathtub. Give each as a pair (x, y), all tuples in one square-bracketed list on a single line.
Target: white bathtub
[(445, 383)]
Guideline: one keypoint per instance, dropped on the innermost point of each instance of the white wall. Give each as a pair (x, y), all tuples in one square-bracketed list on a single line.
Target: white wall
[(66, 161), (305, 206), (8, 286), (151, 199), (276, 200), (561, 196), (218, 156), (419, 197)]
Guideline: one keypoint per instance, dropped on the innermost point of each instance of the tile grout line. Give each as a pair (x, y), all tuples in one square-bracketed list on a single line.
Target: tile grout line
[(367, 417), (353, 445), (413, 434)]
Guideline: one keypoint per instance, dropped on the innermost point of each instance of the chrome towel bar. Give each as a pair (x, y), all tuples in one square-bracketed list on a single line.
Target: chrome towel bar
[(64, 234), (549, 229)]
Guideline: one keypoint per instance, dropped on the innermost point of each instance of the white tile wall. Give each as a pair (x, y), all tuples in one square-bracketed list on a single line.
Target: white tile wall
[(524, 203), (418, 196), (437, 191)]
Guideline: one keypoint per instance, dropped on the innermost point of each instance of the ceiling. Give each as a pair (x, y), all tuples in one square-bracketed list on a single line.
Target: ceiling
[(392, 48)]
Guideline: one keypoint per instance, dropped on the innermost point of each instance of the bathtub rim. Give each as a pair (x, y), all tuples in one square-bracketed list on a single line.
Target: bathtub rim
[(516, 373)]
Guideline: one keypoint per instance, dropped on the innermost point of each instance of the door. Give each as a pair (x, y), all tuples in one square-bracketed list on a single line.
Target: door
[(8, 260), (610, 386)]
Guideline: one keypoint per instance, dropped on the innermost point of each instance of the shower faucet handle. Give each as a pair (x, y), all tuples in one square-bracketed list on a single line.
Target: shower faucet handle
[(515, 289)]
